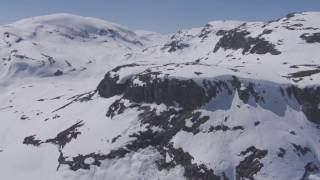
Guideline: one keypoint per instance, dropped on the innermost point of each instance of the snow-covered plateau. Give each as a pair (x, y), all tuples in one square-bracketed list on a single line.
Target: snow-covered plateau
[(83, 98)]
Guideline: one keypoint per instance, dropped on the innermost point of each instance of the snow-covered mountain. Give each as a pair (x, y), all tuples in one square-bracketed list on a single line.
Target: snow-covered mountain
[(64, 44), (82, 98)]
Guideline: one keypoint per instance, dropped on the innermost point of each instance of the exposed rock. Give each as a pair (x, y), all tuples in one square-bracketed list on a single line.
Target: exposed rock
[(281, 152), (192, 170), (175, 45), (61, 139), (305, 73), (236, 39), (246, 92), (310, 169), (309, 99), (24, 117), (84, 97), (50, 59), (109, 87), (205, 31), (311, 38), (185, 93), (293, 132), (251, 165), (225, 128), (115, 139), (189, 95), (31, 140), (58, 73), (79, 162), (301, 151), (117, 107), (66, 136), (118, 68), (290, 15)]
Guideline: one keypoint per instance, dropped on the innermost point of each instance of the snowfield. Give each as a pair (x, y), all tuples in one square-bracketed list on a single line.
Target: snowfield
[(82, 98)]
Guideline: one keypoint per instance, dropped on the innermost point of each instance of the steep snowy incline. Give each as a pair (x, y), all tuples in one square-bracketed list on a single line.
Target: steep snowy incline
[(82, 98)]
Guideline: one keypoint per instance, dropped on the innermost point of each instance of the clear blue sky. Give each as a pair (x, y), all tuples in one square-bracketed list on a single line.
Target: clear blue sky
[(158, 15)]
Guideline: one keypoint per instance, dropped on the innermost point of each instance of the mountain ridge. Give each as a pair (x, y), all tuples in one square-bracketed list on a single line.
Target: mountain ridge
[(230, 100)]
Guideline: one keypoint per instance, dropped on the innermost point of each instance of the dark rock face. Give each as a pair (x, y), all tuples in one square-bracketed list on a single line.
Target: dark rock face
[(61, 139), (205, 31), (116, 108), (66, 136), (251, 164), (186, 93), (84, 97), (290, 15), (118, 68), (50, 59), (192, 170), (235, 39), (225, 128), (191, 95), (31, 140), (300, 150), (157, 140), (309, 169), (246, 93), (305, 73), (311, 38), (175, 45), (281, 152), (78, 162), (161, 140), (109, 87), (58, 73), (24, 117), (309, 99)]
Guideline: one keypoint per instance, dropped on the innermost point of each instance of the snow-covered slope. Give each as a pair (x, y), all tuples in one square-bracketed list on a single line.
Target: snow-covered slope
[(82, 98), (62, 43)]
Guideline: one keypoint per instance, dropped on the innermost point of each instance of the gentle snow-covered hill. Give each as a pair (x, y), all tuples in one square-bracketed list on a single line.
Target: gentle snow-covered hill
[(64, 44), (82, 98)]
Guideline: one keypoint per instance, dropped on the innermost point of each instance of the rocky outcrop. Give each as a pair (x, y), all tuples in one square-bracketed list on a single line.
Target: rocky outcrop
[(61, 140), (311, 38), (157, 88), (174, 46), (109, 87), (169, 91), (310, 169), (66, 136), (31, 140), (309, 99), (251, 165), (185, 101), (186, 93), (236, 39), (58, 73)]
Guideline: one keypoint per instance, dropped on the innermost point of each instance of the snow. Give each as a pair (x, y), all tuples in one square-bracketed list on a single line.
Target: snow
[(84, 53)]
